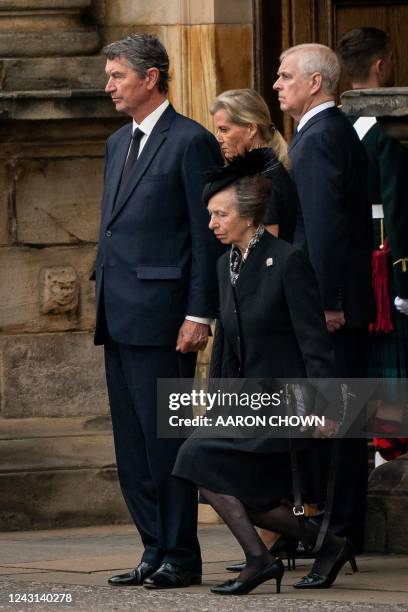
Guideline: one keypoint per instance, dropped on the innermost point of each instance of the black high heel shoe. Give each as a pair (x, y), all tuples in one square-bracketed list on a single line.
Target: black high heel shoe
[(278, 549), (274, 570), (293, 551), (301, 553), (314, 580)]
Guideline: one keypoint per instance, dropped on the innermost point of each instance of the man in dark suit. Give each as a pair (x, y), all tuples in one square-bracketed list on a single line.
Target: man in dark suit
[(329, 169), (156, 293)]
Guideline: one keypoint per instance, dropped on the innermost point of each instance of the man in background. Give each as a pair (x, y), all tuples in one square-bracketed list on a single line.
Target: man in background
[(334, 227)]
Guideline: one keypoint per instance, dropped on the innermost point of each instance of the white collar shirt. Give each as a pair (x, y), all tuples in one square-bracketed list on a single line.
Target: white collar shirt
[(149, 122), (314, 111)]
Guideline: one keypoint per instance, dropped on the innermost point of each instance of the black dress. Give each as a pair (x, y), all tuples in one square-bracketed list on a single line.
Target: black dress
[(272, 325), (283, 205)]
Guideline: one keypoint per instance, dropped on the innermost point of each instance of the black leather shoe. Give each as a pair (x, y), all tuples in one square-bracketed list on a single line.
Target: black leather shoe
[(134, 578), (170, 576), (314, 580), (242, 587)]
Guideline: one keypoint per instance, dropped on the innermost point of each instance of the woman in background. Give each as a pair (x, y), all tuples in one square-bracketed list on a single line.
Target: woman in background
[(242, 122)]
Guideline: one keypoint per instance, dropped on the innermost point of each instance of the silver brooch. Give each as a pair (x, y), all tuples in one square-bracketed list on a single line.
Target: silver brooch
[(269, 261)]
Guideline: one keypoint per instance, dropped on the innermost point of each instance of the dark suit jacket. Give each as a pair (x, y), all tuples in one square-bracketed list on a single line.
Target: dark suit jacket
[(156, 256), (334, 223)]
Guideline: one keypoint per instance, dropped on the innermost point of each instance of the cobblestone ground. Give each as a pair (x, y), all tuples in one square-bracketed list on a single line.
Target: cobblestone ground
[(106, 599)]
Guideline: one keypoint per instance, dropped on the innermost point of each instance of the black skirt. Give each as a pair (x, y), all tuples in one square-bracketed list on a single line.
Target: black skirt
[(259, 480)]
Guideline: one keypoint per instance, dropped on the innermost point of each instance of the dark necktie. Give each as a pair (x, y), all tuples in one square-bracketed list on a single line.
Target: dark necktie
[(132, 157)]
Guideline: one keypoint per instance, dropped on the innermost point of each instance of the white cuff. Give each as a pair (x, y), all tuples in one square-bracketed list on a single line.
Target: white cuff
[(202, 320)]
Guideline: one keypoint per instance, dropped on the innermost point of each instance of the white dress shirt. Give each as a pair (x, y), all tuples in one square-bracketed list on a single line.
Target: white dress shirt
[(313, 111), (148, 123), (146, 126)]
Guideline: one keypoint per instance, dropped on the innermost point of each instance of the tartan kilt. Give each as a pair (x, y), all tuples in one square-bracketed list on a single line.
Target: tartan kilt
[(388, 353)]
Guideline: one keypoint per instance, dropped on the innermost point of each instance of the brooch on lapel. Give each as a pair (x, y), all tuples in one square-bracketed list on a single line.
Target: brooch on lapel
[(269, 262)]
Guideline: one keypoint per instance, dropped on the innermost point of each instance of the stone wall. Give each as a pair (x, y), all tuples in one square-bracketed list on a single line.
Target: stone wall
[(51, 183), (51, 160), (57, 463)]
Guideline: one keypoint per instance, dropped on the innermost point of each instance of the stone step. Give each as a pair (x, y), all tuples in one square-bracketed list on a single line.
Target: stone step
[(67, 452), (52, 104), (17, 429)]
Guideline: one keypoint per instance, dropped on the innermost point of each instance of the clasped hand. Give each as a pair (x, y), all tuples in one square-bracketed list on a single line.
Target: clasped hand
[(334, 320), (328, 430), (192, 337)]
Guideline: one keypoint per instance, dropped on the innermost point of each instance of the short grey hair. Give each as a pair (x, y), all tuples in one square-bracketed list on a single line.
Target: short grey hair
[(252, 195), (317, 58), (142, 51)]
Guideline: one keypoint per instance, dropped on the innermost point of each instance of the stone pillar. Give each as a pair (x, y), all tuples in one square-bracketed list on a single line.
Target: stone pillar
[(387, 502), (40, 28)]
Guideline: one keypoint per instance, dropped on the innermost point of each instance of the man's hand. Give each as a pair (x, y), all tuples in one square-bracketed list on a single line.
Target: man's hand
[(192, 337), (334, 320)]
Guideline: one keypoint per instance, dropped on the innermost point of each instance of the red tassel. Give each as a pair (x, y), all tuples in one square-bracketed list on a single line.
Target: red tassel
[(390, 448), (383, 323)]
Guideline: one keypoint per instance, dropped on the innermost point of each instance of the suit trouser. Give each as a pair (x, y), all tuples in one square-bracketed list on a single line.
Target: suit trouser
[(163, 508), (348, 516)]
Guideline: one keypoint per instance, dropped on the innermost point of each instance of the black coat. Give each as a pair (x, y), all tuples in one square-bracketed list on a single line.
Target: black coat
[(271, 323), (329, 168)]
